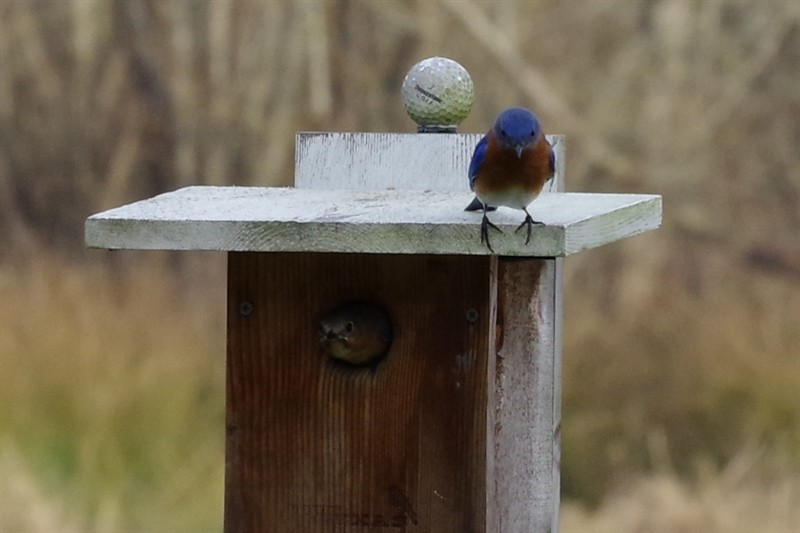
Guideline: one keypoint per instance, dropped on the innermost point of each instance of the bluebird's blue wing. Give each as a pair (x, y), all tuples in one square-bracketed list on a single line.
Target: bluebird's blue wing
[(477, 159)]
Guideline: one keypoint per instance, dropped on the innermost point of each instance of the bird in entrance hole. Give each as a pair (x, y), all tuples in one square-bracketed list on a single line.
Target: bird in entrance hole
[(510, 167), (357, 333)]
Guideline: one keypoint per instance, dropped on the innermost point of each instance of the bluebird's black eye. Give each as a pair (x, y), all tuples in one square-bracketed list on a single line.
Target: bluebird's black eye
[(349, 327)]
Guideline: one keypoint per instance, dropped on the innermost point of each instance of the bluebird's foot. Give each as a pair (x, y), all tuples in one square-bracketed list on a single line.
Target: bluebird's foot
[(527, 222), (485, 225)]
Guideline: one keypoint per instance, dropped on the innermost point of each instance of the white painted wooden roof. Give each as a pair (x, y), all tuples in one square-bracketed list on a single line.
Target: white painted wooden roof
[(365, 221)]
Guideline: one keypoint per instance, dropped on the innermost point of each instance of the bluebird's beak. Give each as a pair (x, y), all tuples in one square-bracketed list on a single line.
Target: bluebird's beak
[(519, 148)]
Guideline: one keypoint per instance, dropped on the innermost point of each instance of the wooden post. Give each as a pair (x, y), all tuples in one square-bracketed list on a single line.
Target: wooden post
[(525, 416), (457, 429)]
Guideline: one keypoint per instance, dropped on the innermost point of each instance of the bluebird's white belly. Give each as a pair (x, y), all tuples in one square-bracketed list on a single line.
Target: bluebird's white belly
[(517, 198)]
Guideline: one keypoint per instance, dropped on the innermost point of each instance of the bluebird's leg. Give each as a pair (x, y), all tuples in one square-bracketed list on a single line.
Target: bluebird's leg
[(527, 222), (485, 225)]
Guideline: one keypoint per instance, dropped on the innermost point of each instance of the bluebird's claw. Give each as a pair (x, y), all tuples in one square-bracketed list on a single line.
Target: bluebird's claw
[(527, 222), (485, 225)]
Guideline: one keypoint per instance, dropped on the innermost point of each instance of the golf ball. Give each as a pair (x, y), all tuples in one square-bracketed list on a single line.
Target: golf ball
[(438, 92)]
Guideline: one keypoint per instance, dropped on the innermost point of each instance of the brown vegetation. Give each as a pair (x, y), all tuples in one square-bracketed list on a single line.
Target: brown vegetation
[(681, 346)]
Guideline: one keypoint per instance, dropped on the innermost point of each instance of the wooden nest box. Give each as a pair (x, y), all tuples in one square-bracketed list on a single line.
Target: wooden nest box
[(457, 428)]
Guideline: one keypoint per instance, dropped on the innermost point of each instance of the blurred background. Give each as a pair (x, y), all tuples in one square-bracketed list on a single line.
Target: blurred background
[(681, 403)]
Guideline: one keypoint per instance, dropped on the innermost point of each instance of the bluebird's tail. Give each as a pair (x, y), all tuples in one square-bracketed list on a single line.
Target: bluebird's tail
[(476, 205)]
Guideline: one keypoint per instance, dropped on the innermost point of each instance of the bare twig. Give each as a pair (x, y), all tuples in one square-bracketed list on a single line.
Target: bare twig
[(320, 99), (533, 84)]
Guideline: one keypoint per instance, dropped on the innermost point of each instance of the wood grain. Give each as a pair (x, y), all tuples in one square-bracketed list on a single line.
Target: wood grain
[(312, 447), (401, 161), (380, 161)]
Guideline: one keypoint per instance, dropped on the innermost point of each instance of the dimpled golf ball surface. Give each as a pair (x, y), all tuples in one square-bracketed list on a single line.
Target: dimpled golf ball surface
[(438, 92)]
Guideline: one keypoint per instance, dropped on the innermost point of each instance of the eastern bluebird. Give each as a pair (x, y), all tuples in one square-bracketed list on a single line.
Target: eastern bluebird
[(509, 167), (357, 333)]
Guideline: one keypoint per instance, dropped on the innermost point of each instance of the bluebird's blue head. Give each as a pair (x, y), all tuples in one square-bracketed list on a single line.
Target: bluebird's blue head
[(517, 128)]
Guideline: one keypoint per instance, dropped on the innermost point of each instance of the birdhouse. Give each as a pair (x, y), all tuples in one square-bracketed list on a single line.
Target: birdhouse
[(455, 427)]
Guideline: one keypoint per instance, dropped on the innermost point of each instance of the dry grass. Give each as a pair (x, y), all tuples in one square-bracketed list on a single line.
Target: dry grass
[(754, 493), (111, 399), (111, 392), (707, 371)]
